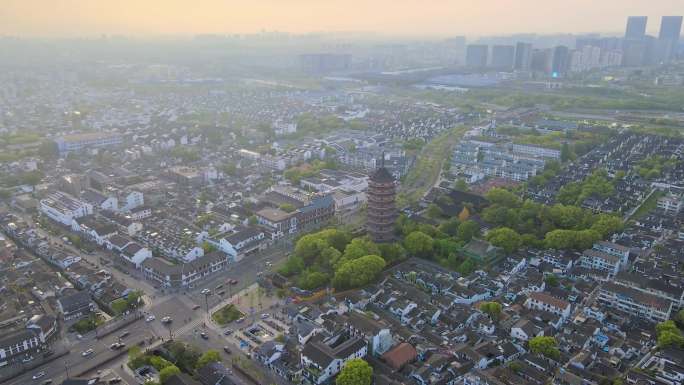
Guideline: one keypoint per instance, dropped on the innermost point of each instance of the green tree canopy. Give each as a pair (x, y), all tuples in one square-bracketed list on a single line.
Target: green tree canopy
[(492, 309), (167, 373), (207, 358), (546, 346), (358, 272), (355, 372), (419, 244), (507, 239)]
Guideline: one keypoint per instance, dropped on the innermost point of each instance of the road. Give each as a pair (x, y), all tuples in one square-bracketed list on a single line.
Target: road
[(75, 363), (187, 308)]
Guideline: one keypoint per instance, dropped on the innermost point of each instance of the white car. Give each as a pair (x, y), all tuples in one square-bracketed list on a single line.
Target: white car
[(38, 375), (87, 352), (150, 318), (205, 291), (166, 319), (265, 316)]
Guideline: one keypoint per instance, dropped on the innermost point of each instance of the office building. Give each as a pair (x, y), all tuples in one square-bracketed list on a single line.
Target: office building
[(503, 57), (560, 59), (668, 38), (325, 62), (476, 55), (523, 56), (636, 27)]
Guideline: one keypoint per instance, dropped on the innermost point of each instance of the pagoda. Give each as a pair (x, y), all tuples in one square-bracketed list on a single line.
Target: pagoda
[(381, 212)]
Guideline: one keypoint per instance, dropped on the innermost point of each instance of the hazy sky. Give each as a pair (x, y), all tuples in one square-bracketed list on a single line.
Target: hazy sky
[(404, 17)]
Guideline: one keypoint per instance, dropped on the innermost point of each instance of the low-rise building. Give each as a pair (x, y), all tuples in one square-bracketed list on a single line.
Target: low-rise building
[(64, 208)]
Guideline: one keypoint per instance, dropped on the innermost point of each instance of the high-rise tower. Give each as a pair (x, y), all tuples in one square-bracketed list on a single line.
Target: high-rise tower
[(381, 211)]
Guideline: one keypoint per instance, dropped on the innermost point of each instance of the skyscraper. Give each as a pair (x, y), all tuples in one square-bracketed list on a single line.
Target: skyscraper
[(523, 56), (560, 59), (668, 38), (476, 55), (636, 27), (503, 57)]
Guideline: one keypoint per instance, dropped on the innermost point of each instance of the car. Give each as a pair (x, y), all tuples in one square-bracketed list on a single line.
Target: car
[(205, 291), (227, 350), (219, 287), (265, 316), (227, 332), (233, 281), (222, 292), (204, 335), (240, 320), (114, 380), (27, 359), (87, 352), (166, 320), (195, 307), (117, 345), (124, 334), (79, 336), (48, 381), (150, 318), (38, 375)]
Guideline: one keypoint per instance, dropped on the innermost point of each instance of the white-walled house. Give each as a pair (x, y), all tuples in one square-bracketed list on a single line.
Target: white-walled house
[(63, 208)]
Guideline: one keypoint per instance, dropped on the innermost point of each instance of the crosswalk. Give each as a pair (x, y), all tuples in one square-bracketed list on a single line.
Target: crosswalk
[(189, 327)]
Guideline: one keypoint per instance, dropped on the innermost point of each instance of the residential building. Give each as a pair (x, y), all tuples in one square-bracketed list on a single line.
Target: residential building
[(546, 302), (75, 305), (323, 358), (476, 55), (78, 142), (64, 208), (634, 302), (171, 275)]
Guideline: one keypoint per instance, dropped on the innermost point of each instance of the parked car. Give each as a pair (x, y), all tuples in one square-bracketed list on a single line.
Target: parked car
[(205, 291), (166, 320), (195, 307), (204, 335), (150, 318), (233, 281), (38, 375), (228, 332), (124, 334), (87, 353)]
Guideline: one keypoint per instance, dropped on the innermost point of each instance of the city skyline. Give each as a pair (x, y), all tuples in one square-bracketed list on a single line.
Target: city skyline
[(80, 18)]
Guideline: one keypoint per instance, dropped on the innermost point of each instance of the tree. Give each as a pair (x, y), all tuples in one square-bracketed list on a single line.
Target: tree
[(679, 318), (419, 244), (167, 373), (464, 214), (119, 306), (360, 247), (492, 309), (566, 153), (468, 230), (355, 372), (669, 335), (461, 185), (450, 227), (208, 357), (434, 211), (546, 346), (502, 197), (507, 239), (358, 272), (552, 280)]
